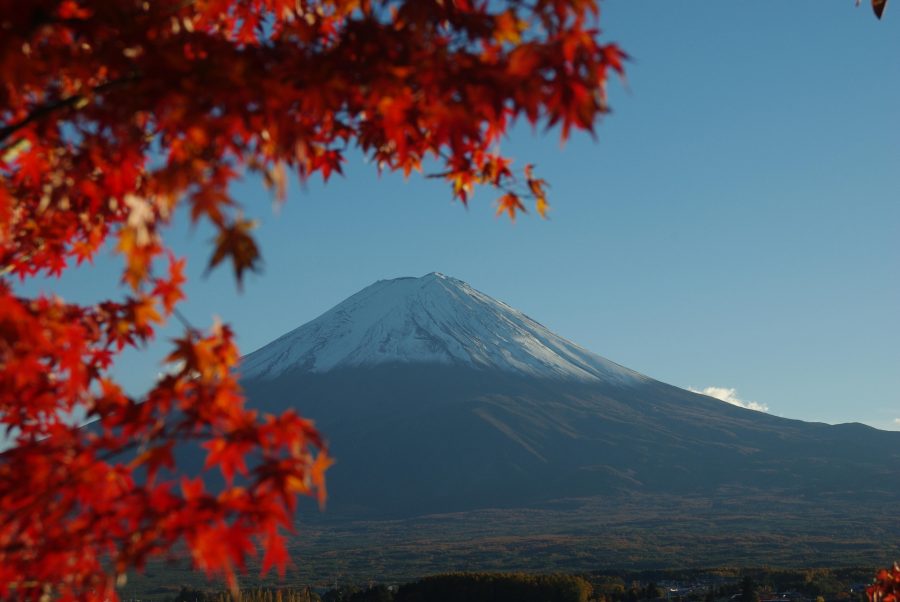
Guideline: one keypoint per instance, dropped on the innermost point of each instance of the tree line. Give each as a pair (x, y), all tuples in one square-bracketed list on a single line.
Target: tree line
[(451, 587), (740, 585)]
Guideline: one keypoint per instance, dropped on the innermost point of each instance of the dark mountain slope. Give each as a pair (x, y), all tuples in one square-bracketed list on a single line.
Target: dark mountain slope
[(441, 438)]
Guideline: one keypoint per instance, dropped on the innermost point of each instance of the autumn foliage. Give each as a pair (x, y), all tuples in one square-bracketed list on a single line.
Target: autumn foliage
[(887, 585), (115, 113)]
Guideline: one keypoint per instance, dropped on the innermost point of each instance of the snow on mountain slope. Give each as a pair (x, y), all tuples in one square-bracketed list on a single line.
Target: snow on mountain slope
[(432, 319)]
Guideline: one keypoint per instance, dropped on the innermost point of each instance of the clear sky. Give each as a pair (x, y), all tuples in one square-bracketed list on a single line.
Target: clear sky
[(736, 223)]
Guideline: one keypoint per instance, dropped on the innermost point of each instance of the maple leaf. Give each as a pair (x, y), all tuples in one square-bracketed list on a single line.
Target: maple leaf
[(510, 203), (536, 186), (228, 456), (234, 242), (878, 7), (276, 552), (169, 290), (156, 457), (317, 474), (145, 313)]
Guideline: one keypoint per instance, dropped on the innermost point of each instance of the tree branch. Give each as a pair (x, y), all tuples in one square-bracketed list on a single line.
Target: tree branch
[(76, 100)]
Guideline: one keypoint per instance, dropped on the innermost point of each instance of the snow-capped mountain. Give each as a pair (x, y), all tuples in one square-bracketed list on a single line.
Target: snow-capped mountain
[(432, 319), (436, 398)]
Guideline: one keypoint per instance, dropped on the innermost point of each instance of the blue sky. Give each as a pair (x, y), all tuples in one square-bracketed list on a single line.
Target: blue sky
[(735, 224)]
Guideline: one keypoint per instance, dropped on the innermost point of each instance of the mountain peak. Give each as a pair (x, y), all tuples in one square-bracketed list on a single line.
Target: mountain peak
[(431, 319)]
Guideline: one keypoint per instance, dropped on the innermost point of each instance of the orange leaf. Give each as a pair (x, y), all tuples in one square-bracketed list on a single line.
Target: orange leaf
[(510, 203)]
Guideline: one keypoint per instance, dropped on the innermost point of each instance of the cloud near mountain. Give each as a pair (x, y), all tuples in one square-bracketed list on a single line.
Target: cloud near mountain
[(730, 396)]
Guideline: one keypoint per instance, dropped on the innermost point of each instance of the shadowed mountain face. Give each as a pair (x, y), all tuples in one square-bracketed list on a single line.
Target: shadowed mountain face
[(436, 398), (429, 439)]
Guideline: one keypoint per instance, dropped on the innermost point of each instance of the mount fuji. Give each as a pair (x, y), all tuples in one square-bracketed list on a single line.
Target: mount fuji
[(436, 398), (420, 376)]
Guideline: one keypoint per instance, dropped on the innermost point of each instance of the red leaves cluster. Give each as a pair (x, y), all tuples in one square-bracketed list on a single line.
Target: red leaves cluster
[(887, 585), (75, 503), (114, 113)]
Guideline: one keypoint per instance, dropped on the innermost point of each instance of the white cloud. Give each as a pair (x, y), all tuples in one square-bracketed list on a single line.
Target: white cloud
[(897, 421), (730, 396)]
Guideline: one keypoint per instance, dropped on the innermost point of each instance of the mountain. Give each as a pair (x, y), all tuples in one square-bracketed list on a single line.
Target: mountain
[(434, 319), (436, 398)]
